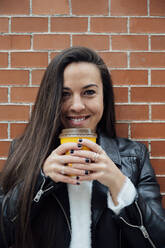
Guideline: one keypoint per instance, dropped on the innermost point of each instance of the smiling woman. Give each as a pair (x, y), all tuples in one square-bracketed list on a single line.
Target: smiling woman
[(112, 201)]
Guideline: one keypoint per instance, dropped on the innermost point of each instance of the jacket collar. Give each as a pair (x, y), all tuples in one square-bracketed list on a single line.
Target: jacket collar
[(109, 145)]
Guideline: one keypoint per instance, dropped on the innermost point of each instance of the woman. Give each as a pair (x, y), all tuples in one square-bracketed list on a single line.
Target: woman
[(112, 201)]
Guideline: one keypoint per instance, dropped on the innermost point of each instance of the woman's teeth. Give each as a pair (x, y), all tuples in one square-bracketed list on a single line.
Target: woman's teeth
[(77, 119)]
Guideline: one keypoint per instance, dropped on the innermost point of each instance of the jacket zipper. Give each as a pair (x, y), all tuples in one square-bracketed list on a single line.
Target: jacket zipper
[(66, 217), (37, 196), (41, 192), (141, 228)]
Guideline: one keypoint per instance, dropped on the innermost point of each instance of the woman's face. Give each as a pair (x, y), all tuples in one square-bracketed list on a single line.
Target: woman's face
[(82, 101)]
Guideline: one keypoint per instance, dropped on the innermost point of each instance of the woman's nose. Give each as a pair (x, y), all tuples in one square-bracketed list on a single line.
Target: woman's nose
[(77, 104)]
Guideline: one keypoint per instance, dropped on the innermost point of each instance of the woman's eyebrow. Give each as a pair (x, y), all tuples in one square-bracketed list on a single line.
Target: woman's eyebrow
[(90, 85), (85, 87)]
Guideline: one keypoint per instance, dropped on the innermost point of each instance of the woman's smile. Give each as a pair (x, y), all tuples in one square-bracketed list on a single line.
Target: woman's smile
[(77, 120)]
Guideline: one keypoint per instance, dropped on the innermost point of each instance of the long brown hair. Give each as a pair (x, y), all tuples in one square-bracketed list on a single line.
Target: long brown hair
[(41, 134)]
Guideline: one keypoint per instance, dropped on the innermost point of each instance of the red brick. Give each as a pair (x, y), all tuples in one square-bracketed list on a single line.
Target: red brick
[(148, 59), (50, 7), (121, 94), (37, 76), (114, 59), (158, 165), (148, 94), (122, 130), (11, 7), (29, 24), (51, 41), (24, 94), (4, 147), (14, 113), (9, 42), (129, 77), (90, 7), (29, 59), (161, 181), (108, 25), (158, 42), (4, 25), (158, 77), (96, 42), (17, 129), (129, 8), (3, 131), (3, 95), (148, 130), (69, 24), (3, 59), (163, 201), (129, 42), (157, 9), (158, 112), (14, 77), (157, 149), (131, 112), (2, 163), (147, 25)]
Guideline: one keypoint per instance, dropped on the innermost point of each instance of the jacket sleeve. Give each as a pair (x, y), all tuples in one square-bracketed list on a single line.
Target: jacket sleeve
[(146, 214), (9, 205)]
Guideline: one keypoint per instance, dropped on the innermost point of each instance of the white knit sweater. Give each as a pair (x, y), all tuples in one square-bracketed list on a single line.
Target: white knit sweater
[(80, 209)]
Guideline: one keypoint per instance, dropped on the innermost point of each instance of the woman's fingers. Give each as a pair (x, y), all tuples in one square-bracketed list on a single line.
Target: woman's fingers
[(91, 146), (91, 176), (66, 179), (68, 170), (64, 148), (92, 156), (91, 167), (68, 159)]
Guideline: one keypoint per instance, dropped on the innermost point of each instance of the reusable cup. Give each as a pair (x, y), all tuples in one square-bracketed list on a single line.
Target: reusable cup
[(74, 134)]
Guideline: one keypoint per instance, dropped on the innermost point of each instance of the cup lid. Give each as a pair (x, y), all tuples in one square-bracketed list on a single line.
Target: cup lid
[(67, 132)]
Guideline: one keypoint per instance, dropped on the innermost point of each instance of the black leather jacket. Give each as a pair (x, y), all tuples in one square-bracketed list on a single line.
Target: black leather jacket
[(141, 224)]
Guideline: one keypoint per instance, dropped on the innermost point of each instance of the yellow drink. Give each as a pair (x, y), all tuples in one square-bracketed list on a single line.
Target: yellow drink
[(74, 134)]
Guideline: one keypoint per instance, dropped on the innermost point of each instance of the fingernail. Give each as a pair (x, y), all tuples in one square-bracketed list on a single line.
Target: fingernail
[(87, 160), (77, 177), (79, 145), (80, 140), (72, 151), (86, 172), (78, 183)]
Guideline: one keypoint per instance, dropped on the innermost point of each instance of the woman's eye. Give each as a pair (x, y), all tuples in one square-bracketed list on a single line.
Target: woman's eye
[(65, 94), (89, 92)]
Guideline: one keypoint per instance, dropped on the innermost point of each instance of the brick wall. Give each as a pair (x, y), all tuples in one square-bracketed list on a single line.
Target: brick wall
[(129, 35)]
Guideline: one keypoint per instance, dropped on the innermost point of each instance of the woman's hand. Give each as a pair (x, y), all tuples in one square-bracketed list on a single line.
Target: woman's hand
[(56, 164), (100, 168)]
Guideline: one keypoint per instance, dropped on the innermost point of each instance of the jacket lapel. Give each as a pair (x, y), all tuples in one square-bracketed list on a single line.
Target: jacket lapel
[(100, 191), (61, 196)]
